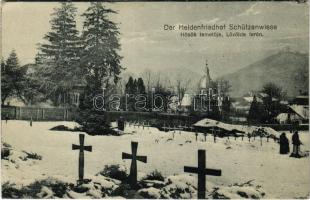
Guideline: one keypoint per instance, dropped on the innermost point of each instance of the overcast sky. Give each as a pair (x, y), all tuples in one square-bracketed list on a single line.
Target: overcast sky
[(146, 45)]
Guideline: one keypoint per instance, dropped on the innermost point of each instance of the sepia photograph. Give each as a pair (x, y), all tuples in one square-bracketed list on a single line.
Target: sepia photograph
[(155, 100)]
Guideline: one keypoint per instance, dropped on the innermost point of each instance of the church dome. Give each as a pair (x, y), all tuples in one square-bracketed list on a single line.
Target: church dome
[(205, 82)]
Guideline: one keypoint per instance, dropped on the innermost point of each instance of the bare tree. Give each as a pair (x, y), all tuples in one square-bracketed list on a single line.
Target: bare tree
[(147, 76), (182, 86)]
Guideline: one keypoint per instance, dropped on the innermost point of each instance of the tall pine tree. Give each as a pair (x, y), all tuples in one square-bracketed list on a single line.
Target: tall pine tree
[(101, 66), (100, 58), (140, 86), (61, 51)]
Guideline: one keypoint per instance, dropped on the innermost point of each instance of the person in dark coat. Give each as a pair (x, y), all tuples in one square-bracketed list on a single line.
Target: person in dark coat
[(284, 144), (296, 144), (121, 124)]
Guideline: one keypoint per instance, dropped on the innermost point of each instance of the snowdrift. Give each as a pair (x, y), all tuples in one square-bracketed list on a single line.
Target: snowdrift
[(241, 129), (173, 187)]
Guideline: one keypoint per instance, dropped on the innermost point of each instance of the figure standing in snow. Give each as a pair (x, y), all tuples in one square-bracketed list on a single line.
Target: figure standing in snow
[(284, 144), (121, 124), (296, 143)]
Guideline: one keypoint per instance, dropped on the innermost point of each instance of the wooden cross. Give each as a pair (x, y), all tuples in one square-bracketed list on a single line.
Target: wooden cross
[(132, 178), (196, 134), (81, 147), (31, 121), (205, 134), (180, 126), (202, 171)]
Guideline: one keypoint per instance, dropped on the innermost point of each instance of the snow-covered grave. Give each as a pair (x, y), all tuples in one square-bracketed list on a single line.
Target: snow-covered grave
[(248, 169), (241, 129)]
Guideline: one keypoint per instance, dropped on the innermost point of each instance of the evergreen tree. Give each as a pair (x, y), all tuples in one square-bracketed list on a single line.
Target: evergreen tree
[(135, 86), (130, 89), (254, 112), (130, 86), (272, 102), (60, 52), (226, 104), (140, 86), (12, 77), (6, 83), (100, 62), (100, 58)]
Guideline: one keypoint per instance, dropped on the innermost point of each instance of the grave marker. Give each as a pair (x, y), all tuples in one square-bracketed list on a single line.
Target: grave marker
[(202, 171), (81, 147), (180, 126), (132, 178)]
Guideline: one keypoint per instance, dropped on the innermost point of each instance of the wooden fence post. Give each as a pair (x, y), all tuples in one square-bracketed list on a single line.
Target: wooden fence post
[(42, 113), (67, 114), (37, 115), (20, 112), (15, 113)]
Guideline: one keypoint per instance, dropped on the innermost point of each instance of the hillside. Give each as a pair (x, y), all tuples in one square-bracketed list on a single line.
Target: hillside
[(287, 69)]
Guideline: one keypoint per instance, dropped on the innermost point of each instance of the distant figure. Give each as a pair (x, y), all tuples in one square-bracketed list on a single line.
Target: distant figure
[(296, 143), (249, 136), (121, 124), (284, 144)]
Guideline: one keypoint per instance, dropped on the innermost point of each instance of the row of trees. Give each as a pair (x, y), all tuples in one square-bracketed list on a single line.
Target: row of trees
[(171, 98), (90, 57), (68, 57)]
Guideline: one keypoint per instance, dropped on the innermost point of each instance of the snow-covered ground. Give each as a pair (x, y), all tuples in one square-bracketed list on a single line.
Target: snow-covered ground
[(240, 161)]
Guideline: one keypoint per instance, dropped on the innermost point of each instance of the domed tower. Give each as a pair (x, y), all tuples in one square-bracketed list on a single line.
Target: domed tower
[(205, 81)]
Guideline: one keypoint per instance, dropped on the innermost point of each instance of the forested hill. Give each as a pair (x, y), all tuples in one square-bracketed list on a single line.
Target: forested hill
[(286, 69)]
